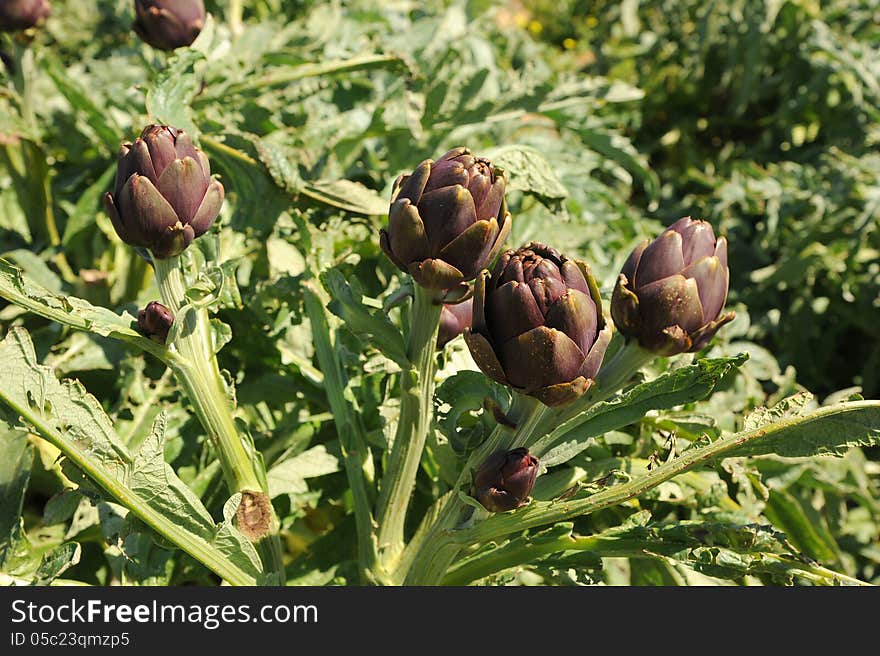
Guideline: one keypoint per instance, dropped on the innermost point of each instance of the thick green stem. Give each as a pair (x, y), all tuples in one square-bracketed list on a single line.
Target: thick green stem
[(416, 412), (199, 375), (355, 454)]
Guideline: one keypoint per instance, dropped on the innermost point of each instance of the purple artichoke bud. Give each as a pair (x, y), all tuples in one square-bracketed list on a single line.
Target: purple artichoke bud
[(155, 321), (164, 196), (538, 324), (448, 219), (671, 290), (506, 479), (169, 24), (18, 15), (454, 319)]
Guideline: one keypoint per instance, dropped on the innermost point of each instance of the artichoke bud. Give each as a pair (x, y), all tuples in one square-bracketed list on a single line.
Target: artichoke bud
[(155, 321), (505, 480), (169, 24), (671, 290), (454, 319), (164, 195), (448, 220), (538, 324), (18, 15)]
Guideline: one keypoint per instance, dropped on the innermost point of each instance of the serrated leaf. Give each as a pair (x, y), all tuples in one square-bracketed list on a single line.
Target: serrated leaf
[(77, 313), (684, 385), (788, 407), (528, 170), (63, 413)]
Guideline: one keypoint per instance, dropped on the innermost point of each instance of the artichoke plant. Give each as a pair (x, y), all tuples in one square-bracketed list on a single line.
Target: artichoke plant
[(18, 15), (155, 321), (164, 195), (671, 290), (538, 324), (454, 320), (505, 480), (169, 24), (448, 220)]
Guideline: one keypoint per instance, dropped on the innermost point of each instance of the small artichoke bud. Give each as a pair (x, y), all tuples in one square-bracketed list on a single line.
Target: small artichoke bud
[(169, 24), (671, 290), (448, 220), (18, 15), (505, 480), (454, 319), (164, 195), (538, 324), (155, 321)]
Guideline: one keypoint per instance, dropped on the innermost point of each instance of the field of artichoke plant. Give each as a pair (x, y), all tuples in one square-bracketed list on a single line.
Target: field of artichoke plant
[(494, 292)]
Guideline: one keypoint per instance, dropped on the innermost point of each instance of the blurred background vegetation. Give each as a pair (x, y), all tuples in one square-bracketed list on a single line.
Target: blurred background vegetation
[(614, 117)]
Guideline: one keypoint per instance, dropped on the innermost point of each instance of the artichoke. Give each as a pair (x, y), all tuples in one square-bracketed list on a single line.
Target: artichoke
[(155, 321), (164, 196), (169, 24), (505, 480), (18, 15), (448, 220), (454, 319), (671, 290), (538, 324)]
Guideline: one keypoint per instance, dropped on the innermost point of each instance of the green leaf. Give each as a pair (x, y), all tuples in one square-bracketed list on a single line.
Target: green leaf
[(96, 114), (73, 421), (16, 456), (347, 196), (830, 430), (528, 170), (683, 385), (289, 476), (348, 304), (56, 562), (620, 150), (71, 311), (168, 100), (465, 393), (279, 166), (803, 530), (82, 215)]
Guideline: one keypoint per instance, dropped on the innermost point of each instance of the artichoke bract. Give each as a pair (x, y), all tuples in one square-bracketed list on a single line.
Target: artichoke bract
[(164, 196), (155, 321), (505, 480), (538, 324), (454, 319), (18, 15), (169, 24), (448, 220), (671, 290)]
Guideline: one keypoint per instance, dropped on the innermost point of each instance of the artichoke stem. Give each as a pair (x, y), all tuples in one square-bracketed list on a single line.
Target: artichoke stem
[(416, 411), (202, 383)]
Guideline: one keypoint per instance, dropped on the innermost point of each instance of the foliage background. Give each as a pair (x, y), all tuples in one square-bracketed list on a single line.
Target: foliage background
[(614, 118)]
